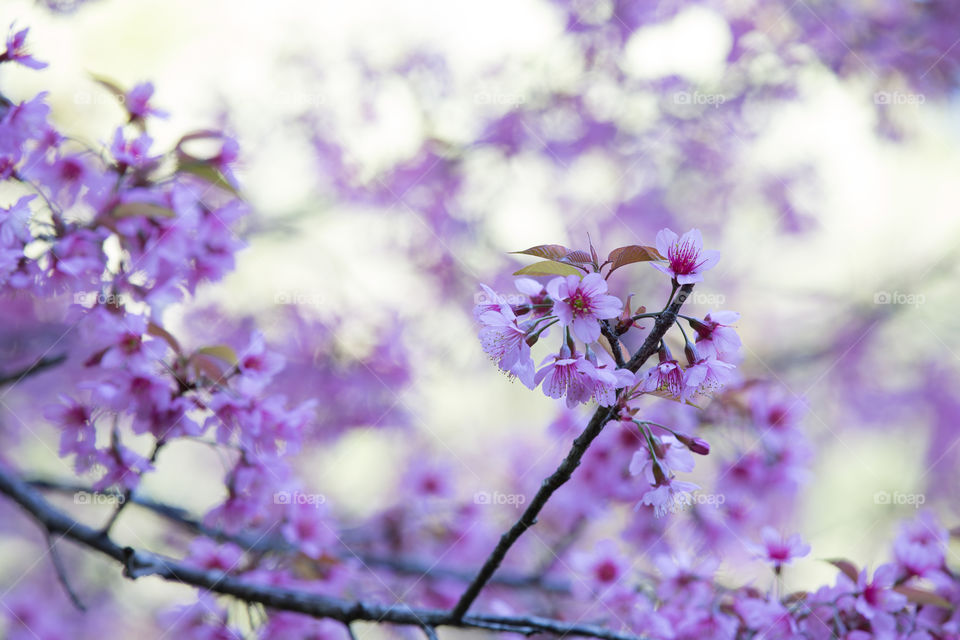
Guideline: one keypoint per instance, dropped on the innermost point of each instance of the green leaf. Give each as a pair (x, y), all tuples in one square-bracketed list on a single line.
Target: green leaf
[(622, 256), (548, 251), (146, 209), (548, 268), (221, 352), (846, 567), (207, 173)]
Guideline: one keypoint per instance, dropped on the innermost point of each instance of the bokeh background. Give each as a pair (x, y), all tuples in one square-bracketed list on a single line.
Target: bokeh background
[(394, 152)]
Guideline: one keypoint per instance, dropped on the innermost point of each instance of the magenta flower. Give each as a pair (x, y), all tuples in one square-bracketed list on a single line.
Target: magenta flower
[(569, 375), (606, 378), (581, 304), (666, 376), (669, 495), (920, 547), (686, 259), (779, 550), (707, 375), (137, 101), (504, 341), (671, 456), (877, 597), (716, 338), (17, 50)]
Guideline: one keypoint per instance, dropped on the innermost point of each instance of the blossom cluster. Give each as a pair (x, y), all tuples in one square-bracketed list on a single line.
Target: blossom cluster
[(585, 369)]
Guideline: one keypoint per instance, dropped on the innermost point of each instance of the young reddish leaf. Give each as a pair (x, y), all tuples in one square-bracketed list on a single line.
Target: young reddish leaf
[(631, 253), (157, 331), (548, 251), (578, 257), (548, 268), (848, 568), (221, 352), (146, 209), (921, 596)]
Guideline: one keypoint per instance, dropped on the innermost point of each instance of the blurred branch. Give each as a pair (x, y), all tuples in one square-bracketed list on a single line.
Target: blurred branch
[(138, 563), (554, 481), (40, 365), (259, 543)]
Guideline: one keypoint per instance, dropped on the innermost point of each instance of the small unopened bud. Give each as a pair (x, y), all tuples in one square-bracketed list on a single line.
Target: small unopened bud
[(697, 445), (664, 352)]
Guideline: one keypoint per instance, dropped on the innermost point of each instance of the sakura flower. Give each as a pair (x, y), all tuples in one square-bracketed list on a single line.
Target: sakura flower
[(138, 102), (671, 455), (920, 547), (669, 495), (17, 50), (666, 376), (257, 362), (686, 259), (132, 153), (876, 597), (15, 223), (77, 433), (305, 526), (603, 570), (123, 467), (707, 375), (504, 341), (608, 378), (489, 300), (209, 554), (539, 301), (779, 550), (581, 304), (716, 338), (569, 375)]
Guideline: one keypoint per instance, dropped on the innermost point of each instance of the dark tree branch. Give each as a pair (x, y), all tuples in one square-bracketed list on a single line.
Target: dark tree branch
[(257, 542), (36, 367), (138, 564), (563, 472)]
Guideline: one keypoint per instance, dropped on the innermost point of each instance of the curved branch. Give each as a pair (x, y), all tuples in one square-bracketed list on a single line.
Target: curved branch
[(563, 472), (137, 564), (271, 543)]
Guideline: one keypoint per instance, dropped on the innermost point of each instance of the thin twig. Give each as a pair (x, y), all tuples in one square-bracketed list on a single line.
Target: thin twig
[(563, 472), (32, 369), (62, 571)]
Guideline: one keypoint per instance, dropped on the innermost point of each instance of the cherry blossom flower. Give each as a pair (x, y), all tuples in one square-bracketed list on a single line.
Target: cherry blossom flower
[(686, 258), (504, 341), (716, 338), (581, 304), (876, 597), (569, 375), (921, 545), (137, 102), (778, 550), (17, 50), (666, 376), (708, 375)]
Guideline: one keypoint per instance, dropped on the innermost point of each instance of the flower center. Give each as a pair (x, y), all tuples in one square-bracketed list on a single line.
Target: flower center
[(683, 257)]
